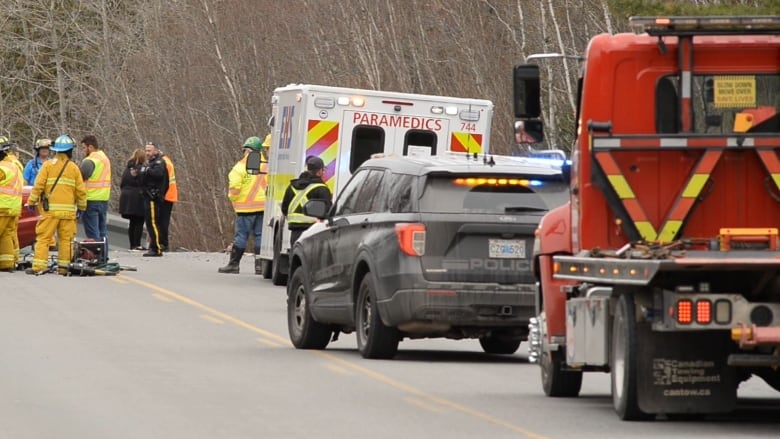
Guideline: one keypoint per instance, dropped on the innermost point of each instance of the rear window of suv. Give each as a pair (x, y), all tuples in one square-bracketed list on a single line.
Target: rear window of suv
[(492, 194)]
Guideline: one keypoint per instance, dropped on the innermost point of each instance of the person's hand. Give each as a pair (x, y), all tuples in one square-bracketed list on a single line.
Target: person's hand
[(79, 214)]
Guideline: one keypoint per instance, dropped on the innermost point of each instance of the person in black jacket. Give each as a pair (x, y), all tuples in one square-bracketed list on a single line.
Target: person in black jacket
[(308, 186), (154, 180), (131, 198)]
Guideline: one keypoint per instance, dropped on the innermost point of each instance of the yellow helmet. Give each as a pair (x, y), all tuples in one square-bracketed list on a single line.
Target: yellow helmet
[(267, 141)]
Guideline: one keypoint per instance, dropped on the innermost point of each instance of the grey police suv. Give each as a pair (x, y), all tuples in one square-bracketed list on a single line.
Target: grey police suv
[(423, 247)]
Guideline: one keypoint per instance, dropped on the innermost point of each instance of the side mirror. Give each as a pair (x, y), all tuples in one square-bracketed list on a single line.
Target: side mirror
[(316, 208), (526, 86), (253, 162), (529, 132)]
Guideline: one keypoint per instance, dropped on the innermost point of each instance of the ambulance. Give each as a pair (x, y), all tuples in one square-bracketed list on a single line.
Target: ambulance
[(345, 127)]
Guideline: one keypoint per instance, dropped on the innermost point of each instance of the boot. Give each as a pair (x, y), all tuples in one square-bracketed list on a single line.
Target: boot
[(258, 264), (235, 261)]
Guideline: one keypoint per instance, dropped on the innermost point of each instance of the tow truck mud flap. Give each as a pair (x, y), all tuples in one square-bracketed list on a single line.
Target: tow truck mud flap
[(684, 372)]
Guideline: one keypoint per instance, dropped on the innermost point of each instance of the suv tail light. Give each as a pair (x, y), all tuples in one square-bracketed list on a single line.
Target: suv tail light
[(411, 238)]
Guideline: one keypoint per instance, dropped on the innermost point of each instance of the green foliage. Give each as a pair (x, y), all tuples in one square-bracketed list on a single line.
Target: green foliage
[(627, 8)]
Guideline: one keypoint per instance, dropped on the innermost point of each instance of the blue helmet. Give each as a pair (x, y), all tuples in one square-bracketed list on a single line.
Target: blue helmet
[(63, 144)]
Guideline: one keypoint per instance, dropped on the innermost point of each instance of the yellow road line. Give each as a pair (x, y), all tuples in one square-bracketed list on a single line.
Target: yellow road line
[(349, 365), (162, 297), (118, 280), (338, 369), (273, 344), (424, 405), (211, 319)]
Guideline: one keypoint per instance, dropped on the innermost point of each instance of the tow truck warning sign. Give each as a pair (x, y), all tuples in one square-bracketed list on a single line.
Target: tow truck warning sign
[(735, 91)]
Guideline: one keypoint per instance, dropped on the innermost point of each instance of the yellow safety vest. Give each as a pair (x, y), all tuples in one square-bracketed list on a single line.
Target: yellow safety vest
[(99, 183), (300, 198), (10, 189), (247, 191)]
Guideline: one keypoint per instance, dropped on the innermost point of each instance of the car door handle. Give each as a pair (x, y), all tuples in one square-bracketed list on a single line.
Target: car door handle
[(364, 224)]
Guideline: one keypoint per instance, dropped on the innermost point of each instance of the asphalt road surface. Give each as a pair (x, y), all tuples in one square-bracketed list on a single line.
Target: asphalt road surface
[(176, 350)]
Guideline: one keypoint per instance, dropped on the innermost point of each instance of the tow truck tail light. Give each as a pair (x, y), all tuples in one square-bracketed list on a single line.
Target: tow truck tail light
[(411, 238), (722, 312), (703, 312), (685, 311)]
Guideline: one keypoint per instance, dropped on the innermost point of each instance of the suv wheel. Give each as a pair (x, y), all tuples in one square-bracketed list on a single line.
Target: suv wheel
[(305, 332), (499, 345), (374, 339)]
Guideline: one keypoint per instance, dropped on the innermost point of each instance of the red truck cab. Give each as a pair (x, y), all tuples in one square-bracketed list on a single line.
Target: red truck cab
[(665, 262)]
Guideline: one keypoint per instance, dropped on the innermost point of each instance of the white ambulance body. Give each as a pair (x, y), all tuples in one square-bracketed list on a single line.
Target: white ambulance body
[(344, 127)]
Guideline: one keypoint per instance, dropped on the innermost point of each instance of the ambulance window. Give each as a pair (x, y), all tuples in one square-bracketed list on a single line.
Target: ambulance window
[(420, 142), (366, 140)]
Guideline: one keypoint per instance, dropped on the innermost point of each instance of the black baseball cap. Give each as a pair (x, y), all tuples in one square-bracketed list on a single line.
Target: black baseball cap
[(314, 163)]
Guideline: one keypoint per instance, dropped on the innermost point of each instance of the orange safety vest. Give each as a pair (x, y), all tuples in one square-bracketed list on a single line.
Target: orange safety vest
[(172, 194)]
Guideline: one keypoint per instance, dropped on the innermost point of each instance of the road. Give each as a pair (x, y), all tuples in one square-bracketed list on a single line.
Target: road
[(177, 350)]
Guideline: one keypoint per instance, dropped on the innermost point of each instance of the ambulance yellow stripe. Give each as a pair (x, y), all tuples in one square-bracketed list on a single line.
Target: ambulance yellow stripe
[(318, 131), (466, 142)]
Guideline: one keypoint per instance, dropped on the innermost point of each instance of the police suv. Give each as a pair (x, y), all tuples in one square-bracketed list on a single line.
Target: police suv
[(423, 247)]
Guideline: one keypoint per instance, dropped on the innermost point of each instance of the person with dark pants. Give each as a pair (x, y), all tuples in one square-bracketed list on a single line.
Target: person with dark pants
[(308, 186), (155, 183), (170, 194), (96, 172), (131, 199)]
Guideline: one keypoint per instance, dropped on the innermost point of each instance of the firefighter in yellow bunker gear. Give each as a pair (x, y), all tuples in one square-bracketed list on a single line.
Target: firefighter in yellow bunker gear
[(61, 197), (10, 205)]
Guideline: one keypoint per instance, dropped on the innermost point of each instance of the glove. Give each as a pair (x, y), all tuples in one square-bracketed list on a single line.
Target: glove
[(33, 209), (79, 214)]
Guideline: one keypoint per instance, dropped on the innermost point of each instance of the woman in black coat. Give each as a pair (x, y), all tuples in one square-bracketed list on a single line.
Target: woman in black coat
[(131, 199)]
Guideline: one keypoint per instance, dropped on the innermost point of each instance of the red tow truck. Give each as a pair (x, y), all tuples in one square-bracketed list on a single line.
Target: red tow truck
[(664, 269)]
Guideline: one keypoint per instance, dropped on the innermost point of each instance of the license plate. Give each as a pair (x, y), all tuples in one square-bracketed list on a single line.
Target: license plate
[(506, 248)]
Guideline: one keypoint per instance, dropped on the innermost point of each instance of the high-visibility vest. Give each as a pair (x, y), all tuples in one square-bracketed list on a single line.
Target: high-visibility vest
[(10, 189), (172, 194), (99, 183), (16, 161), (300, 198), (246, 191)]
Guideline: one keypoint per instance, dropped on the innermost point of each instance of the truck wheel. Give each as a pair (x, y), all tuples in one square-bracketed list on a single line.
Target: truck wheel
[(374, 339), (556, 381), (624, 367), (277, 277), (305, 332), (267, 267), (499, 345)]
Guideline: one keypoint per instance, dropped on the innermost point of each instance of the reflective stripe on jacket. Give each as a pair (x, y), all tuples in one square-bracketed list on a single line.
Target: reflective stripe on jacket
[(172, 194), (295, 212), (246, 191), (69, 194), (10, 188), (99, 183)]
